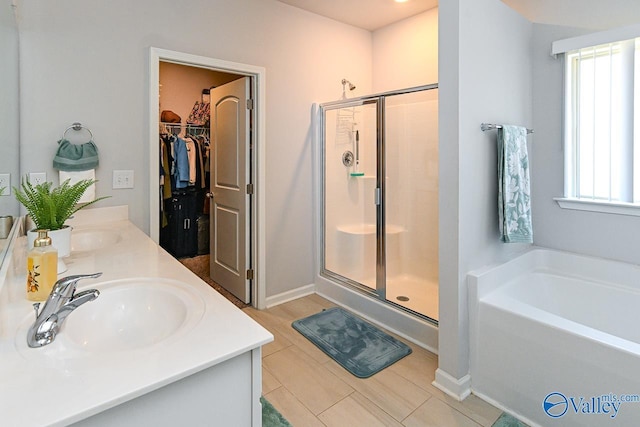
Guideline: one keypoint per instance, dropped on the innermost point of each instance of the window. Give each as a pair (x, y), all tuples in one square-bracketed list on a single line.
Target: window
[(602, 163)]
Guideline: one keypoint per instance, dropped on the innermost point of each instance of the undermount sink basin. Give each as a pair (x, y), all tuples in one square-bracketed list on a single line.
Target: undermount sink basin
[(129, 314), (93, 239)]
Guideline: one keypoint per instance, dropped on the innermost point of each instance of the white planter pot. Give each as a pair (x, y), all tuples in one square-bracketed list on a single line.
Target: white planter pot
[(60, 239)]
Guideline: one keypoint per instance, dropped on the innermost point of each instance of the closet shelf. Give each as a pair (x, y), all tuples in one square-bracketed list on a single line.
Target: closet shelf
[(187, 127)]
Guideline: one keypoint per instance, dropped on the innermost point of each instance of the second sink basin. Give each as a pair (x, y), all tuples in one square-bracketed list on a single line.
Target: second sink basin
[(93, 239)]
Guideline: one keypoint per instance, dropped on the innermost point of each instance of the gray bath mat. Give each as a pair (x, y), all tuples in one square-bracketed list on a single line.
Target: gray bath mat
[(507, 420), (270, 415), (358, 346)]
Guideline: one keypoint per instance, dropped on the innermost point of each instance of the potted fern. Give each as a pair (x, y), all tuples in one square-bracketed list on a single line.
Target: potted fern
[(50, 207)]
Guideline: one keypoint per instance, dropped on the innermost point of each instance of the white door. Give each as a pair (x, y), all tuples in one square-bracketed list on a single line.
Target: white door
[(230, 175)]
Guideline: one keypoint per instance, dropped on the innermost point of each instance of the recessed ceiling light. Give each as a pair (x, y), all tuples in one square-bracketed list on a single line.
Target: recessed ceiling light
[(401, 1)]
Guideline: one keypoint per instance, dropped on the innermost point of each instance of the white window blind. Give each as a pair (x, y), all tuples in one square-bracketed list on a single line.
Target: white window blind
[(601, 95)]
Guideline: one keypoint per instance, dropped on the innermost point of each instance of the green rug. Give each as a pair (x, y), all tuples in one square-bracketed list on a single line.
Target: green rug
[(358, 346), (270, 415), (507, 420)]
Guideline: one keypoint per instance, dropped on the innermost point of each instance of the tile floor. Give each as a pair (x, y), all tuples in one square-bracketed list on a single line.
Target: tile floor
[(310, 389)]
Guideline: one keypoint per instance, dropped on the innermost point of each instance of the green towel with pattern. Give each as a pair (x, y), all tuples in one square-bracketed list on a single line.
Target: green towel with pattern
[(514, 196)]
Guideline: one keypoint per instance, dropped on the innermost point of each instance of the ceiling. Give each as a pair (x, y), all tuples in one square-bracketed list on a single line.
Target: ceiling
[(592, 14), (367, 14), (374, 14)]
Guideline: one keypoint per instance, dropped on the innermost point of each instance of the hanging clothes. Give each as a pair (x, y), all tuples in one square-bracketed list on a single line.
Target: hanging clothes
[(202, 153), (164, 176), (191, 155), (200, 182), (181, 173), (165, 171)]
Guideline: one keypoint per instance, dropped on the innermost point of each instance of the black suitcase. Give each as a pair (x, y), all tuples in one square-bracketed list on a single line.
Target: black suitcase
[(203, 234), (180, 236)]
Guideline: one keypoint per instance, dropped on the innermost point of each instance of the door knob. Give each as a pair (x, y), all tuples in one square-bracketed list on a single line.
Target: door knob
[(209, 195)]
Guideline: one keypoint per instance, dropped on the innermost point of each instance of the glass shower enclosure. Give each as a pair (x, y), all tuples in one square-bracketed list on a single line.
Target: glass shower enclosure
[(380, 196)]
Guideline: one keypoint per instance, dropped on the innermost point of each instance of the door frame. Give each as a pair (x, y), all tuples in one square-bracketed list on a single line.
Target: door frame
[(258, 177)]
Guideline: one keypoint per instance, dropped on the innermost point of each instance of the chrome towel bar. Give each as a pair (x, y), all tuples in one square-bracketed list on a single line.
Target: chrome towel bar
[(491, 126)]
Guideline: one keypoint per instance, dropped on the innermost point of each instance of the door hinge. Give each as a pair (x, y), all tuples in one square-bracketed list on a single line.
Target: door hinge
[(250, 274), (249, 104), (249, 188)]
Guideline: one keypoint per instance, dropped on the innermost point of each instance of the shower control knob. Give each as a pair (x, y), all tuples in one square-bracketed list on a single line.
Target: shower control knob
[(347, 158)]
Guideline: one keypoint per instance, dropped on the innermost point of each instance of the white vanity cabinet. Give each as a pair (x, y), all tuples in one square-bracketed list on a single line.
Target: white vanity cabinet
[(221, 395)]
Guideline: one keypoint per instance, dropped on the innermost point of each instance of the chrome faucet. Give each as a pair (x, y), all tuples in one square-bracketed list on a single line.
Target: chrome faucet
[(61, 302)]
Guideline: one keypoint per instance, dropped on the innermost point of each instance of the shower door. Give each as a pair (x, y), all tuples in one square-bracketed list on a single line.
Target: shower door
[(349, 191), (411, 200), (379, 213)]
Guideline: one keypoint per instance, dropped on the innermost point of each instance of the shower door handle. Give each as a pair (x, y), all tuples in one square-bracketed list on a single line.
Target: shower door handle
[(377, 196)]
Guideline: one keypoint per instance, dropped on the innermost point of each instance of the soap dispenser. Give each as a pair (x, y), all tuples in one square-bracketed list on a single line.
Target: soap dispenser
[(42, 267)]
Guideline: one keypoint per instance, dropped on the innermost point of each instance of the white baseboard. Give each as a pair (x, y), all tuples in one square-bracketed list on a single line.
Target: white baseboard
[(287, 296), (459, 389), (503, 408)]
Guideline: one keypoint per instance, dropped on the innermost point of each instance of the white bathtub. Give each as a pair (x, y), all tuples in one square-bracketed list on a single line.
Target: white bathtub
[(561, 327)]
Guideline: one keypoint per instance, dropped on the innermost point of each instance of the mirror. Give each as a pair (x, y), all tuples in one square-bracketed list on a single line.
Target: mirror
[(9, 113)]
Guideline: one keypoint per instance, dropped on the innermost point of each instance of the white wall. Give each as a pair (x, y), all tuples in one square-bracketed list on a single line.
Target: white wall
[(87, 61), (405, 54), (9, 118), (485, 76), (591, 233)]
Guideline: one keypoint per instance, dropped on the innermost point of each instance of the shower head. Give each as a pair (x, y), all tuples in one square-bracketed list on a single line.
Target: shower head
[(345, 82)]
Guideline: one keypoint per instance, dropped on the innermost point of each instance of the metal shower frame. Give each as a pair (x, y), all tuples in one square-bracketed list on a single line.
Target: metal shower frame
[(377, 99)]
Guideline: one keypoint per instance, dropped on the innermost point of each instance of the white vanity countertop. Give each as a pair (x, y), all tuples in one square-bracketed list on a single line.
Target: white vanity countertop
[(42, 389)]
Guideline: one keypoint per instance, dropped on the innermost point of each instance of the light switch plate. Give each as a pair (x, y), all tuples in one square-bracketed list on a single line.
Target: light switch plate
[(5, 182), (122, 179)]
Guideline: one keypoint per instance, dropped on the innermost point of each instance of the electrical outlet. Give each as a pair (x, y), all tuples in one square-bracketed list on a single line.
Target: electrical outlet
[(122, 179), (37, 178), (5, 182)]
